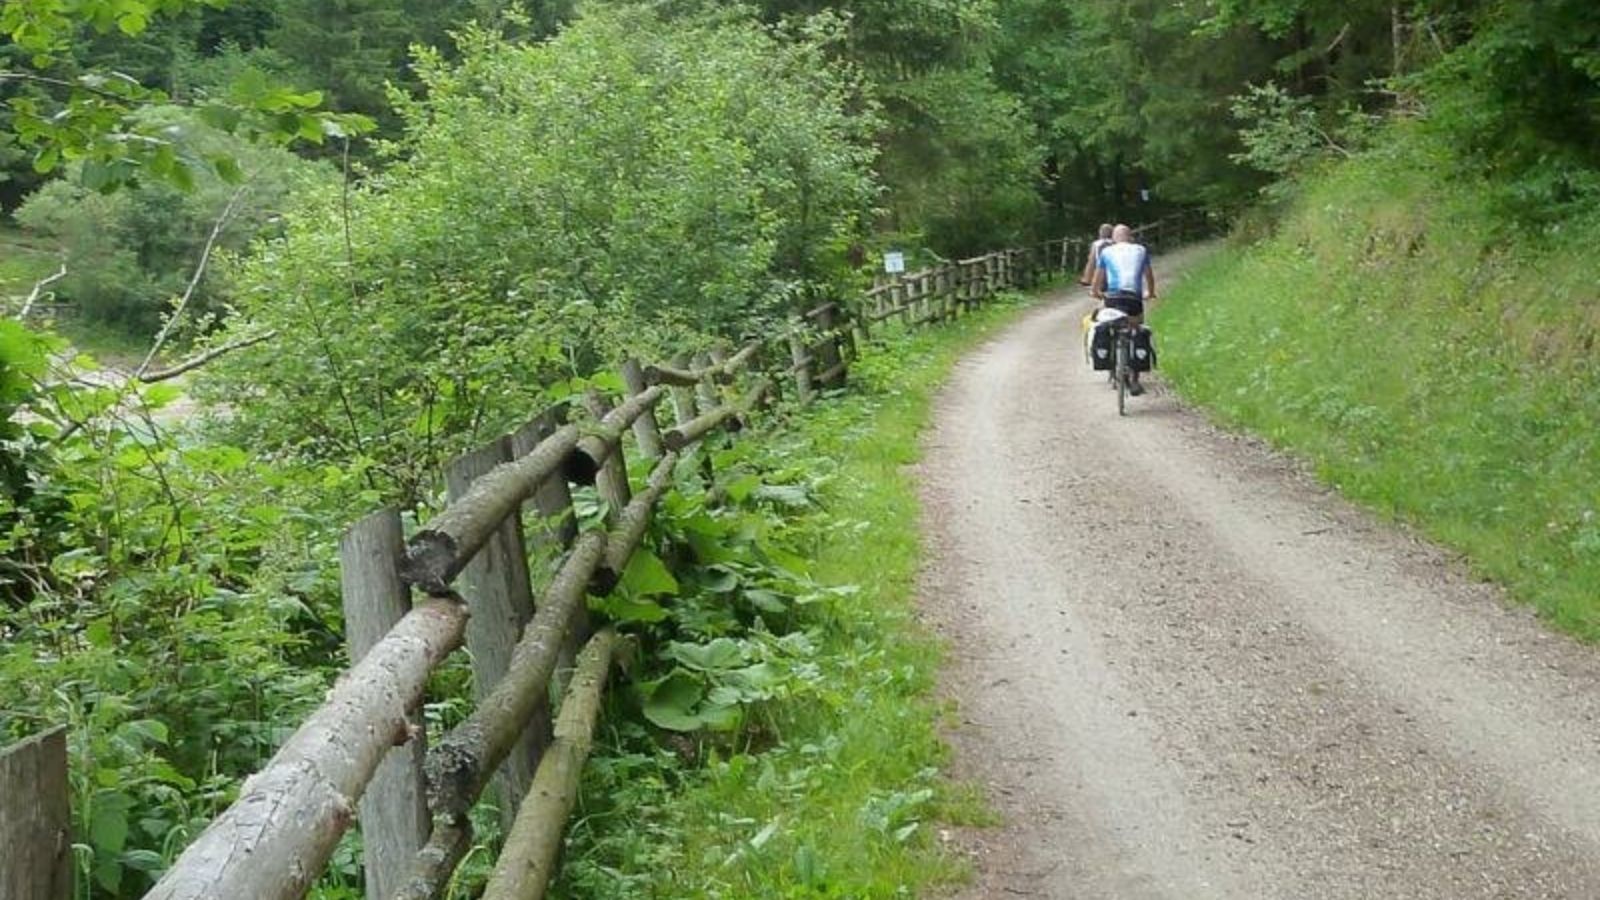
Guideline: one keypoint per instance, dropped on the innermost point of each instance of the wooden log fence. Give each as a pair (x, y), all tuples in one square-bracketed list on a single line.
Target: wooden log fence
[(363, 755), (365, 745)]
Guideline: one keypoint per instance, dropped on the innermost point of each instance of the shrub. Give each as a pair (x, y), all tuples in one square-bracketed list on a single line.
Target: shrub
[(627, 186)]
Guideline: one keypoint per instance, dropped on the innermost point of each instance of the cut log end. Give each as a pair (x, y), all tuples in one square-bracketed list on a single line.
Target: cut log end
[(454, 777), (604, 581), (430, 562), (580, 467)]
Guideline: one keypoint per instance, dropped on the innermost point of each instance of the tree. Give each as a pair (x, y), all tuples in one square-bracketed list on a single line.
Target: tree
[(65, 113), (628, 186)]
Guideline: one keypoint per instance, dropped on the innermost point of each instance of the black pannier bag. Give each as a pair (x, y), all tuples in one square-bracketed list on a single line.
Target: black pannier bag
[(1144, 351), (1101, 348)]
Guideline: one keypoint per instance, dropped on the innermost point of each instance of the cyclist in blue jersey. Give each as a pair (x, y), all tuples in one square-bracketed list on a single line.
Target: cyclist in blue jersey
[(1124, 280)]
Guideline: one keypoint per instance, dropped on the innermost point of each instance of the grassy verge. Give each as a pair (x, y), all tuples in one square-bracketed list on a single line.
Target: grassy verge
[(839, 794), (23, 261), (1428, 363)]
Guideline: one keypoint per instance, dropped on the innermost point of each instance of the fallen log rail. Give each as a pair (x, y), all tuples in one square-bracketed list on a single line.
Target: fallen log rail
[(363, 754)]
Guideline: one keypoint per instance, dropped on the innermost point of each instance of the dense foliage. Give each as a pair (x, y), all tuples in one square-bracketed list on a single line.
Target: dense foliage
[(128, 253), (687, 183), (171, 601), (1103, 109)]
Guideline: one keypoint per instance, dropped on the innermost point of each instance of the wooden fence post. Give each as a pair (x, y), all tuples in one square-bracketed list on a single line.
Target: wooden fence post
[(551, 502), (394, 810), (861, 328), (722, 391), (683, 408), (499, 595), (828, 347), (645, 429), (706, 391), (35, 819), (802, 367), (845, 329)]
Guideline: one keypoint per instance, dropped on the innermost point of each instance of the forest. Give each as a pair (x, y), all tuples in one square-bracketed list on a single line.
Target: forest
[(383, 231)]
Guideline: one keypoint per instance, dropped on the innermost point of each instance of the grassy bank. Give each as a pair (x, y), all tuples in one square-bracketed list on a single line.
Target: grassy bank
[(840, 795), (23, 261), (1430, 363)]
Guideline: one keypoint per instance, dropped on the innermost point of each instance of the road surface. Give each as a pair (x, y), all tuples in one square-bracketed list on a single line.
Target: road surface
[(1184, 670)]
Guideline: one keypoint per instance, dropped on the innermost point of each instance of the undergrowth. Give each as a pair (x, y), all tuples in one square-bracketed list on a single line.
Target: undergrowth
[(823, 779), (1428, 361)]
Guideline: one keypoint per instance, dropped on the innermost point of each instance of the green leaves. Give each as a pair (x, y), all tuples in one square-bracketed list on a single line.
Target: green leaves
[(679, 703), (630, 186), (719, 655), (95, 119)]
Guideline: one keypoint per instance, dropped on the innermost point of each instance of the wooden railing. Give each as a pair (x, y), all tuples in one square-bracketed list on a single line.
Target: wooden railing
[(464, 579)]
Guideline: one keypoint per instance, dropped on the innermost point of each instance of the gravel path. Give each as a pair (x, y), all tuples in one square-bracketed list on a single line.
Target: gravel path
[(1184, 670)]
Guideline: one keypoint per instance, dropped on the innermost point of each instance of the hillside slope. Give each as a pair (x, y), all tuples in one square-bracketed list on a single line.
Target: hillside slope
[(1425, 358)]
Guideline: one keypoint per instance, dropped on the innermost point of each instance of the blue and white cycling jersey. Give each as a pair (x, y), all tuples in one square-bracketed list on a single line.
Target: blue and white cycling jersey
[(1125, 265)]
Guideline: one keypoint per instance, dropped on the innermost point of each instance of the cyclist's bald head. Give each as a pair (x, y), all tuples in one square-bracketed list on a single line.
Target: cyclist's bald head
[(1122, 234)]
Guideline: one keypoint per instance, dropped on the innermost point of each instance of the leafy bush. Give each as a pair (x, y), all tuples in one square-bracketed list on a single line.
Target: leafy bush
[(963, 162), (626, 186), (1520, 103), (172, 602)]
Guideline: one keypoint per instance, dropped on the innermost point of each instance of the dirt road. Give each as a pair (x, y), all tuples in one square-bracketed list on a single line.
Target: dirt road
[(1186, 671)]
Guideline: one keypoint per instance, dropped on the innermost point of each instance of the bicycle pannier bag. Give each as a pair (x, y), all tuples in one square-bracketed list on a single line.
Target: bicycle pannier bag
[(1100, 348), (1144, 351)]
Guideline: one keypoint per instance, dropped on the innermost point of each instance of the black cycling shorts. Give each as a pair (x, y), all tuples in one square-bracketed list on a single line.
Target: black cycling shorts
[(1127, 304)]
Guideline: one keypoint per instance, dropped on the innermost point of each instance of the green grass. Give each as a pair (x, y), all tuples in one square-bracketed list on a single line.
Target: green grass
[(1427, 364), (108, 344), (847, 799), (23, 261)]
